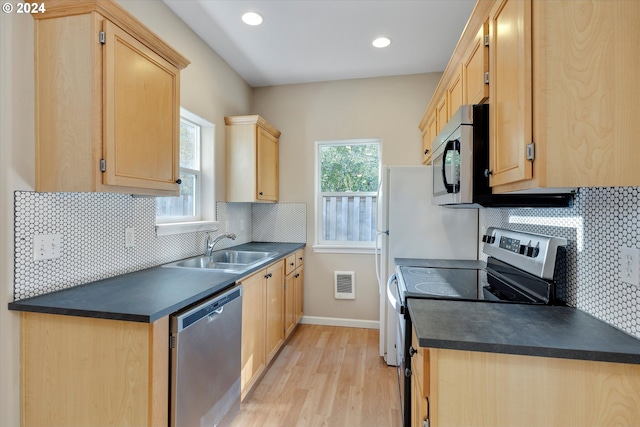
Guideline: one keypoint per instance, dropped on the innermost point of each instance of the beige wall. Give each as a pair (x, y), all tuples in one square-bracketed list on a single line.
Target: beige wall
[(389, 108), (210, 88)]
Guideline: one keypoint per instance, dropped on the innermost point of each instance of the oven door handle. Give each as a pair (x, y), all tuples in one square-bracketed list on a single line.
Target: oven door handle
[(390, 296)]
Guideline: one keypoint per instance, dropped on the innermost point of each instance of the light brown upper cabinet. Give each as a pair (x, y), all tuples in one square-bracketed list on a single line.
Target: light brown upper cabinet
[(454, 95), (510, 91), (252, 159), (475, 68), (429, 132), (107, 102), (577, 100), (561, 81), (465, 72)]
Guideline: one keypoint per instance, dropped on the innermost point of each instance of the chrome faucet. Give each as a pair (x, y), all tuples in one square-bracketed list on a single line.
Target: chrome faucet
[(212, 243)]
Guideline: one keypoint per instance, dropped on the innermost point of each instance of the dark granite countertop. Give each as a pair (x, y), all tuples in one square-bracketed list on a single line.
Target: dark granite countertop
[(146, 295), (532, 330)]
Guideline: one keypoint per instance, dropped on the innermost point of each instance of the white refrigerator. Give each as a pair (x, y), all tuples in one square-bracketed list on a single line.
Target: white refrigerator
[(409, 226)]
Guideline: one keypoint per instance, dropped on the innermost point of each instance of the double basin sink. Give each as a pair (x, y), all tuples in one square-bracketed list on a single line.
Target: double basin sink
[(228, 261)]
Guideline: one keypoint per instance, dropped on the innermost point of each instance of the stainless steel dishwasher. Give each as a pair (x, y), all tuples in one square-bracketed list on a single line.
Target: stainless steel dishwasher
[(205, 362)]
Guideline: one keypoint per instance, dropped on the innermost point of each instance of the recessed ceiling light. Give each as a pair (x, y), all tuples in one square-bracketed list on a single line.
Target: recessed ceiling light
[(381, 42), (252, 18)]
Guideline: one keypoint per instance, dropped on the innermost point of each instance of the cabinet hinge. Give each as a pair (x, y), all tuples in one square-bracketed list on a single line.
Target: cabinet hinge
[(486, 78), (486, 39), (103, 165), (172, 341), (103, 37), (531, 152)]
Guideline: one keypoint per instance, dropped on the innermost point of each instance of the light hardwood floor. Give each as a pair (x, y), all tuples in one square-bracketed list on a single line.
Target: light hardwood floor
[(325, 376)]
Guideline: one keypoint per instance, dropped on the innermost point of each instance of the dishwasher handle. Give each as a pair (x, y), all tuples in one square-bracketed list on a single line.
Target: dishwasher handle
[(207, 310)]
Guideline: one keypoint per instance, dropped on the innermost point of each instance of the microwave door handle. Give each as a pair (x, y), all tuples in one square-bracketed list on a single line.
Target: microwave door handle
[(451, 146)]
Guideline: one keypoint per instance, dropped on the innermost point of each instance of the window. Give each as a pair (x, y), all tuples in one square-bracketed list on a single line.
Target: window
[(347, 183), (193, 210), (185, 207)]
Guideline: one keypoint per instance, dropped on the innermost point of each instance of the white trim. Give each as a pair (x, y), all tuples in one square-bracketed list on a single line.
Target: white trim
[(169, 229), (343, 249), (335, 321)]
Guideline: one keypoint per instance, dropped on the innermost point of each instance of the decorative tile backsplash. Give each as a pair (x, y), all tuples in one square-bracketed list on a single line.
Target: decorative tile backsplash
[(599, 223), (93, 225), (281, 222)]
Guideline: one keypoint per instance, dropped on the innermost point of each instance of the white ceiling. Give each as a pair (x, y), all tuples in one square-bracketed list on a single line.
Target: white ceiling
[(304, 41)]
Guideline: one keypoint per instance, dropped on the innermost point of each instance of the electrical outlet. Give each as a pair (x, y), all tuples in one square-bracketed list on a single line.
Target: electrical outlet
[(227, 226), (129, 237), (242, 225), (630, 265), (47, 246)]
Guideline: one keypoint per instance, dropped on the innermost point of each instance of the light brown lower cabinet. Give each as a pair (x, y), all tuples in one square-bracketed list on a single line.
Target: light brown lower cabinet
[(271, 308), (294, 279), (79, 371), (468, 388)]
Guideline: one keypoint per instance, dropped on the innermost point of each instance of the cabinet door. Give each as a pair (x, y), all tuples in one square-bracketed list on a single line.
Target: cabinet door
[(289, 304), (510, 91), (267, 173), (298, 293), (441, 114), (428, 136), (454, 94), (141, 115), (275, 309), (253, 337), (474, 67)]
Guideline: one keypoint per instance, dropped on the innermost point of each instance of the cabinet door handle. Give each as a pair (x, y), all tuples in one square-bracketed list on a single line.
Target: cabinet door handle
[(178, 181), (412, 351), (260, 193), (426, 151), (292, 264)]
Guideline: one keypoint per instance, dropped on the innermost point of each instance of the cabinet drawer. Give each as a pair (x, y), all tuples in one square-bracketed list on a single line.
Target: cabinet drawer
[(289, 264), (299, 258)]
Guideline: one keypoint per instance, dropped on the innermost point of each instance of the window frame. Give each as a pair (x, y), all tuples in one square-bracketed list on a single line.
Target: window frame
[(341, 246), (204, 218)]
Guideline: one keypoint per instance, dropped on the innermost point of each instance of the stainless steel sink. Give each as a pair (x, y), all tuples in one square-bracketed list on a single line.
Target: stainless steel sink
[(225, 260)]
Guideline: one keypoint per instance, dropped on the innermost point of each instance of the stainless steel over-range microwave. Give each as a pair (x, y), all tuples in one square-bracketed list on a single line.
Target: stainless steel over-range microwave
[(460, 163)]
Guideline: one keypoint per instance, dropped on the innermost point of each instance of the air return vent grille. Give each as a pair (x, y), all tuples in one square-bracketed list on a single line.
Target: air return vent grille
[(344, 285)]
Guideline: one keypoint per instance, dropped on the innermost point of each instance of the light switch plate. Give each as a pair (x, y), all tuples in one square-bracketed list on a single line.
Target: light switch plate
[(47, 246), (630, 265)]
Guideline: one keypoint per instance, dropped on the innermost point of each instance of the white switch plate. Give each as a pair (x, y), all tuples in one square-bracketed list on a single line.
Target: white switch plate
[(227, 226), (47, 246), (630, 265), (129, 237)]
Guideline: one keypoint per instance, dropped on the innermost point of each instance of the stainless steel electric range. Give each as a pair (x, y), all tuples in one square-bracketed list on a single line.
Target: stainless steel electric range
[(521, 268)]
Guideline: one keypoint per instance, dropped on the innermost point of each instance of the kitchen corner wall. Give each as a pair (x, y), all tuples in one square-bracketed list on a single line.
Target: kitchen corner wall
[(92, 227), (600, 222)]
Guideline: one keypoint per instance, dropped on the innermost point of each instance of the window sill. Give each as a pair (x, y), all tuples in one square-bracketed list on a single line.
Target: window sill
[(343, 249), (172, 228)]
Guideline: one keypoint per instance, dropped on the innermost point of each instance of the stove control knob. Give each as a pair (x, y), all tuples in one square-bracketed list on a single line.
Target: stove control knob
[(529, 251), (522, 250)]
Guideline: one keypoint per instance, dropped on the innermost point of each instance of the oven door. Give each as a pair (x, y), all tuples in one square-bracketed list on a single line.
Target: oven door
[(396, 301)]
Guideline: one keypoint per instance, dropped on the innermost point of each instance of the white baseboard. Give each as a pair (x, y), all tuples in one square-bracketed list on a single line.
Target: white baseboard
[(334, 321)]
